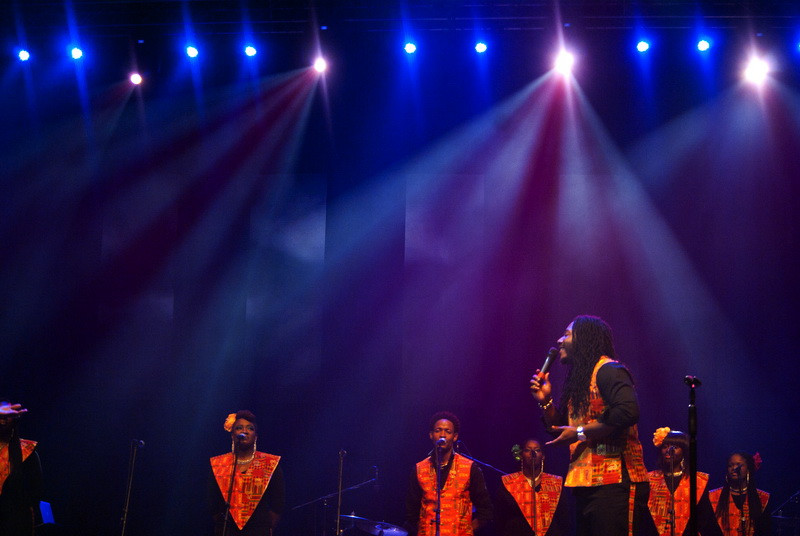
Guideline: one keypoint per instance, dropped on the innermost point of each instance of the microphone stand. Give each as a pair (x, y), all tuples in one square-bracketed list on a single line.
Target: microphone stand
[(230, 489), (342, 454), (671, 512), (459, 443), (693, 382), (533, 495), (136, 444), (438, 466), (742, 520)]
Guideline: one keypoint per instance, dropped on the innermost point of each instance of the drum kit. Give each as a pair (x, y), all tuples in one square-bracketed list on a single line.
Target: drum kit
[(352, 525)]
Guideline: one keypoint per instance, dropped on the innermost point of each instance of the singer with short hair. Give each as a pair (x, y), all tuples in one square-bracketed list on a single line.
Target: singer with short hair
[(20, 476), (669, 489), (530, 502), (597, 417), (741, 508), (249, 480), (459, 479)]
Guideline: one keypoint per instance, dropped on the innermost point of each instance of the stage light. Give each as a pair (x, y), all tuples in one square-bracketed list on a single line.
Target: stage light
[(756, 71), (24, 55), (320, 65), (410, 48), (642, 46), (564, 62), (480, 48), (136, 79), (192, 52), (250, 50), (76, 53), (703, 45)]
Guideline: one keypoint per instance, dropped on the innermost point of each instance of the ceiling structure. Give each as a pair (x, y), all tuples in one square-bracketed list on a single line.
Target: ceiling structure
[(110, 17)]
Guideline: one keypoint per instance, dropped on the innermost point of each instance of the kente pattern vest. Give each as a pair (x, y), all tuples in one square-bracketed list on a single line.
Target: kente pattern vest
[(248, 487), (594, 463), (547, 496), (659, 501), (27, 447), (456, 516), (735, 515)]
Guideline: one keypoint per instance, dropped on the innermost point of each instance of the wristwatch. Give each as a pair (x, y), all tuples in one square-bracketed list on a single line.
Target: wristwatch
[(581, 435)]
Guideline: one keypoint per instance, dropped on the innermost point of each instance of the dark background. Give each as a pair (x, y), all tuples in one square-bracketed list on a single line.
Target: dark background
[(345, 255)]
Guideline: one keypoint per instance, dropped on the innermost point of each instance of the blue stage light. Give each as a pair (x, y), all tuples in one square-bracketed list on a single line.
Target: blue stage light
[(480, 48), (76, 53), (24, 55), (410, 48), (642, 46), (703, 45), (192, 52), (250, 50)]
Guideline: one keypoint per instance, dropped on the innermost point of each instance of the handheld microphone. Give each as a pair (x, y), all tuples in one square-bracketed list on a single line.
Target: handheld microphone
[(551, 356), (240, 437), (440, 442), (138, 443)]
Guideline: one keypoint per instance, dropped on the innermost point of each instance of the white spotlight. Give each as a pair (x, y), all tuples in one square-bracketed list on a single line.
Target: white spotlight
[(250, 50), (24, 55), (76, 53), (320, 65), (480, 48), (410, 48), (564, 62), (136, 79), (192, 52), (756, 71), (642, 46), (703, 45)]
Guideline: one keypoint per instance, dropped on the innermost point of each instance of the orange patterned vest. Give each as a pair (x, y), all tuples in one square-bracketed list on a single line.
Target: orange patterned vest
[(546, 498), (27, 447), (456, 516), (248, 487), (659, 501), (593, 463), (735, 515)]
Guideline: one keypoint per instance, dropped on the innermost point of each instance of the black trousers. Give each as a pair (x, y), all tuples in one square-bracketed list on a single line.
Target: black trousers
[(603, 510)]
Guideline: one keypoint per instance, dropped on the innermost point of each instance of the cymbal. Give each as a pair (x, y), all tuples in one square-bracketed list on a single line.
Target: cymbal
[(355, 518), (378, 528)]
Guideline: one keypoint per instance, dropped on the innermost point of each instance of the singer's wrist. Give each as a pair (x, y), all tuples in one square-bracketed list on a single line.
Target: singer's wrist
[(545, 405)]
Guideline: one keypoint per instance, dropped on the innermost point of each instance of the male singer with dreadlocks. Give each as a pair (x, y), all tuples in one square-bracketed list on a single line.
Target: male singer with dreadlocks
[(597, 417)]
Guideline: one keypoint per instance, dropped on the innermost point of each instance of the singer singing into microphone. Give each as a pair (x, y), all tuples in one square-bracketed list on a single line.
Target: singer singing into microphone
[(597, 416), (460, 482), (669, 489), (531, 502), (740, 507), (251, 482)]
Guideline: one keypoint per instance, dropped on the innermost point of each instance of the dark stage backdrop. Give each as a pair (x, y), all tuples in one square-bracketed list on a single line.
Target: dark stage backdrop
[(347, 256)]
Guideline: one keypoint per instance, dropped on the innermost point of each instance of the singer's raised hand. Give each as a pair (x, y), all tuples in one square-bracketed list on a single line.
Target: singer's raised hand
[(541, 388)]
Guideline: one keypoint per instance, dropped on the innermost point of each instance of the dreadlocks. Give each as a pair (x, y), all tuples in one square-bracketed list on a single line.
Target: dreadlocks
[(591, 340)]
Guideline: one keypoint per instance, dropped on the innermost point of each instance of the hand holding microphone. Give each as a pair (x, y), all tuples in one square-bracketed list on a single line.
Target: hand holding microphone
[(540, 384)]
